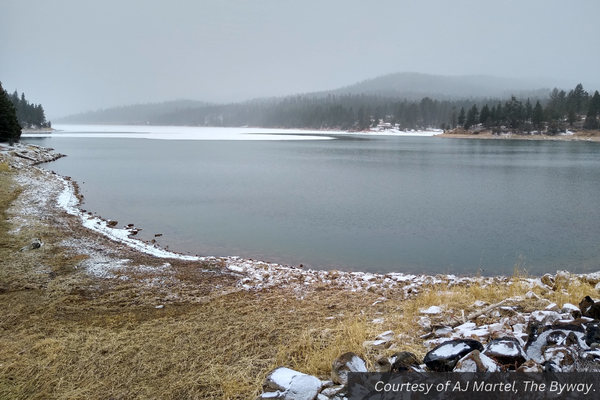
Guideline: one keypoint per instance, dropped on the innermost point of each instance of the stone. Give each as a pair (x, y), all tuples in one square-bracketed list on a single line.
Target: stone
[(559, 355), (382, 365), (35, 244), (332, 391), (376, 344), (572, 309), (432, 310), (592, 333), (530, 366), (404, 361), (442, 331), (475, 361), (562, 280), (506, 351), (387, 335), (589, 308), (548, 280), (425, 323), (445, 356), (291, 385), (112, 224), (347, 362), (556, 338), (531, 295)]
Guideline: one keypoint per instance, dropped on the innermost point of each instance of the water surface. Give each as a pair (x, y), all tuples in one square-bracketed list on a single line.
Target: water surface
[(408, 204)]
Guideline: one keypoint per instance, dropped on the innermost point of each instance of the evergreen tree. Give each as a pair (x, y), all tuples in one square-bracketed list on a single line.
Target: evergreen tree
[(472, 116), (462, 117), (10, 130), (591, 119), (537, 115), (484, 114)]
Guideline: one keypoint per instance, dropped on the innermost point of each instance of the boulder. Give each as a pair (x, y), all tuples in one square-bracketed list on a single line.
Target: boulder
[(347, 362), (476, 362), (285, 383), (445, 356), (506, 351)]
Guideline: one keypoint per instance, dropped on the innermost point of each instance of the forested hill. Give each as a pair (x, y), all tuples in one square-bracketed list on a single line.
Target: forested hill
[(347, 109), (415, 86), (138, 114)]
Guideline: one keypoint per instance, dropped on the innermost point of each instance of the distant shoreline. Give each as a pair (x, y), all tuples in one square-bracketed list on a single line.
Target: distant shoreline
[(579, 136)]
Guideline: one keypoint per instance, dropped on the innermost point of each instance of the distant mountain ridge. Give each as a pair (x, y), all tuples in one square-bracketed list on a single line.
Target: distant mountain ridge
[(413, 86), (409, 86), (138, 114)]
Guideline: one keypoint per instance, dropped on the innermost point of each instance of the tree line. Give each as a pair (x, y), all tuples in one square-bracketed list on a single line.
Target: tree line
[(561, 109), (30, 115), (10, 130), (360, 112)]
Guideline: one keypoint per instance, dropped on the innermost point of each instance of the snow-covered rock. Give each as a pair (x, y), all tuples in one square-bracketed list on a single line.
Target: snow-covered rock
[(285, 383), (347, 362), (445, 356)]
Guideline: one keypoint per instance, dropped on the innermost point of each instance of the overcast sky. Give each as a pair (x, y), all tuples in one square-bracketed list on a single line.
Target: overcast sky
[(77, 55)]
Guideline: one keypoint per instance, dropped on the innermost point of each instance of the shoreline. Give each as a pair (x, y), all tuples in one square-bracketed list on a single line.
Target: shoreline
[(256, 274), (584, 136)]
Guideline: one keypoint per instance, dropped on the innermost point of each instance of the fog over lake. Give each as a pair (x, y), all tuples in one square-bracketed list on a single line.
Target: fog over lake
[(354, 202)]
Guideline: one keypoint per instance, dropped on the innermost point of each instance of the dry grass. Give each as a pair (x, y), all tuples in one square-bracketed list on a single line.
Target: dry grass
[(64, 335)]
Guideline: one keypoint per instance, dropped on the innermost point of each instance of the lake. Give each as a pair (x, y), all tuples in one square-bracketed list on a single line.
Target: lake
[(353, 202)]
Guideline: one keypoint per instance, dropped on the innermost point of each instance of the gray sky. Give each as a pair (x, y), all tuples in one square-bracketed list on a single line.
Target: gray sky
[(77, 55)]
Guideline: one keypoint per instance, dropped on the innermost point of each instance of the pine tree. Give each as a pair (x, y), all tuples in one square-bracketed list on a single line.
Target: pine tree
[(537, 115), (484, 114), (472, 116), (462, 117), (591, 119), (10, 130)]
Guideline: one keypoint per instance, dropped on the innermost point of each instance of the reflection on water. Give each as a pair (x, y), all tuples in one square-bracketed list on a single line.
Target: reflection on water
[(383, 204)]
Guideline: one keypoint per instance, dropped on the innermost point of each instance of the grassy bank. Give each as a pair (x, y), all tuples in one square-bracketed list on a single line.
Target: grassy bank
[(67, 335)]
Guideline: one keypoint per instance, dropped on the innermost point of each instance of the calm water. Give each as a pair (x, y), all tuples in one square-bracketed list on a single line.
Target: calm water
[(409, 204)]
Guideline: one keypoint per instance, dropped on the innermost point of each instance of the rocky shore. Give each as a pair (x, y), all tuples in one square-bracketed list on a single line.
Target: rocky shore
[(501, 337)]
